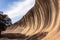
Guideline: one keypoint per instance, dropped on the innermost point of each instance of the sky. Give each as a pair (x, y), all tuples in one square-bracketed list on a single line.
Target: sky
[(4, 3), (16, 9)]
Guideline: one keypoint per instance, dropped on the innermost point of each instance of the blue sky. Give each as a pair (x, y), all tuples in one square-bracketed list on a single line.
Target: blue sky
[(16, 9), (4, 3)]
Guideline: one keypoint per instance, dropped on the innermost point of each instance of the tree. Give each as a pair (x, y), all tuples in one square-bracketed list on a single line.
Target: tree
[(5, 21)]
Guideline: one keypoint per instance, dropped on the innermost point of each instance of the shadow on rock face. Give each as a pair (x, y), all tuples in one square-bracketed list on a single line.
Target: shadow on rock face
[(17, 36), (13, 36), (38, 36)]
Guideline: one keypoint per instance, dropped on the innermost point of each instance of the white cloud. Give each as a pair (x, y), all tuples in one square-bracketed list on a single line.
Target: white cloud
[(18, 9)]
